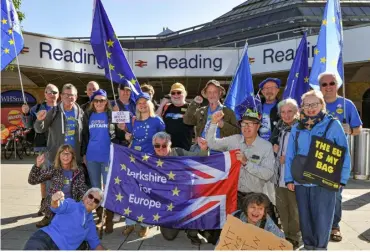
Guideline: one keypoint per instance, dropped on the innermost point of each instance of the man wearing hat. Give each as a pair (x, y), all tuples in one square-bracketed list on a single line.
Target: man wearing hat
[(173, 113), (124, 102), (270, 117), (201, 117)]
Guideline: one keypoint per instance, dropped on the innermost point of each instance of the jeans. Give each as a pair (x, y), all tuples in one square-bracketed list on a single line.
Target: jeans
[(96, 170), (40, 241), (316, 212), (338, 208)]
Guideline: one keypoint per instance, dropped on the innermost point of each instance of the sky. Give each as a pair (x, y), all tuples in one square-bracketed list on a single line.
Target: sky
[(73, 18)]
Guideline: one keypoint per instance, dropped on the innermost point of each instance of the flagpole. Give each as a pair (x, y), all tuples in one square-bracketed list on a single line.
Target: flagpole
[(110, 74), (19, 70), (291, 89)]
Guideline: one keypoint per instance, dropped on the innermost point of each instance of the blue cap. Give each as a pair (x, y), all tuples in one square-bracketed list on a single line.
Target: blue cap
[(276, 80), (143, 95), (124, 85), (98, 92)]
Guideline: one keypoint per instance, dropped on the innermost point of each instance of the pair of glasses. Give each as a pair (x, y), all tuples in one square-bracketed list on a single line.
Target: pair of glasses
[(157, 146), (51, 92), (96, 201), (248, 124), (66, 153), (269, 88), (310, 105), (326, 84), (176, 93), (100, 100), (69, 95)]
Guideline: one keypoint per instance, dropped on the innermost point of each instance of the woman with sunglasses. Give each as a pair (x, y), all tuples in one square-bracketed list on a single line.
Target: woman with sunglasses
[(97, 135), (65, 175), (146, 124), (315, 203)]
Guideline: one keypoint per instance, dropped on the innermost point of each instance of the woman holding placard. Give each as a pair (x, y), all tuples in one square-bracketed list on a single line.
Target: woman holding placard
[(97, 135), (317, 163), (286, 202)]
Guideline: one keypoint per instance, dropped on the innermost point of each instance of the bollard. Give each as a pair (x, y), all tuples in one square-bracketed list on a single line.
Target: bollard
[(362, 155)]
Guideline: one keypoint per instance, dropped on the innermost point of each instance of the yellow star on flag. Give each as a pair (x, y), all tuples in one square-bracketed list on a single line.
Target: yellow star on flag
[(119, 197), (323, 60), (110, 43), (132, 159), (11, 42), (6, 50), (145, 157), (140, 218), (123, 167), (4, 21), (333, 62), (159, 163), (324, 22), (10, 31), (108, 54), (316, 51), (170, 207), (117, 180), (333, 19), (306, 79), (111, 67), (296, 75), (121, 76), (127, 211), (171, 175), (133, 81), (156, 217), (175, 192)]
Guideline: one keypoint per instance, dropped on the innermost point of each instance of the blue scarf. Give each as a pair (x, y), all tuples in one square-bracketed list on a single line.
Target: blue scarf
[(244, 218), (308, 122)]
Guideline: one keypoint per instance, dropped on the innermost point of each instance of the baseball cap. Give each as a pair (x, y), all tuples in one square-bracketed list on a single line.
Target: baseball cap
[(143, 95), (101, 92), (276, 80), (252, 115), (177, 87), (124, 86)]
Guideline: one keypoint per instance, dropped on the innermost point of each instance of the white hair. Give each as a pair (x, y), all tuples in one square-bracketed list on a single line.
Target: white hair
[(318, 94), (70, 86), (161, 135), (98, 190), (334, 75), (288, 101)]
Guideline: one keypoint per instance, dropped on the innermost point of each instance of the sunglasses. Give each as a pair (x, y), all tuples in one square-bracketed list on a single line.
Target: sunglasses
[(157, 146), (176, 93), (99, 100), (51, 92), (96, 201), (326, 84)]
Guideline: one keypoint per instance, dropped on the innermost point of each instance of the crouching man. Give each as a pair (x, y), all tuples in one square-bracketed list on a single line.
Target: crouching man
[(72, 225)]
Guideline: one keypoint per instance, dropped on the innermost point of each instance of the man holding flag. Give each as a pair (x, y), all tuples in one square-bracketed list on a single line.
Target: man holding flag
[(327, 74)]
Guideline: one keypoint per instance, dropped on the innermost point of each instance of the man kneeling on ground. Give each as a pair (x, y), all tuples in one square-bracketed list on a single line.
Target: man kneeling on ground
[(72, 225)]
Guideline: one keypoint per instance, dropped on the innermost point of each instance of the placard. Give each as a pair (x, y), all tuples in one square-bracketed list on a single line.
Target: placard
[(237, 235), (120, 116), (324, 163)]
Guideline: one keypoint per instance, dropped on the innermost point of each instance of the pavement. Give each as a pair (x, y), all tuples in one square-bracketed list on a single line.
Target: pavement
[(20, 201)]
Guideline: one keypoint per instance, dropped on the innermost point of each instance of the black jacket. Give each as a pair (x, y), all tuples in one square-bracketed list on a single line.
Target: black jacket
[(116, 134)]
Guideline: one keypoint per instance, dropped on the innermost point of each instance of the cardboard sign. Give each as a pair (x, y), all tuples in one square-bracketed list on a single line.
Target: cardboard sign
[(120, 116), (324, 163), (237, 235)]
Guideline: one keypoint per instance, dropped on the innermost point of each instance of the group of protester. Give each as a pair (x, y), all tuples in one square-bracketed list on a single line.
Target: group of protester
[(74, 149)]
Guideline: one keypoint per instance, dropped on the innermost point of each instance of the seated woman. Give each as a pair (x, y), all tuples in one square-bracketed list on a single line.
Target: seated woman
[(254, 211), (64, 176)]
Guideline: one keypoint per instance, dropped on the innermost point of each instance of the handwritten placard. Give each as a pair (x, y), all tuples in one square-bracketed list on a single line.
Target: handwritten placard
[(120, 116), (237, 235)]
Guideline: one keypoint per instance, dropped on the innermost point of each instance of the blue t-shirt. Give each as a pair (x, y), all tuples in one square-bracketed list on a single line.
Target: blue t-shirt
[(265, 130), (67, 181), (209, 119), (72, 225), (99, 140), (70, 130), (336, 110), (143, 131)]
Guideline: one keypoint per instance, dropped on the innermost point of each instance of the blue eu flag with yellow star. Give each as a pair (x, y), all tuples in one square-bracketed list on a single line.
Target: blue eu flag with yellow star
[(297, 83), (109, 53), (328, 51), (242, 84), (178, 192), (11, 35)]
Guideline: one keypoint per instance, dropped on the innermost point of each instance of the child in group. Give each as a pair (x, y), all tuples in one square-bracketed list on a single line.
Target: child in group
[(254, 211)]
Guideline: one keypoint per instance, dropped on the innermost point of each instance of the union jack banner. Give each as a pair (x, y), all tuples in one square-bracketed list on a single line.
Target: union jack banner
[(175, 192)]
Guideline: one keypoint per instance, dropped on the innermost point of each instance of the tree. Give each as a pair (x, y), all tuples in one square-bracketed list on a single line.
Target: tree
[(17, 5)]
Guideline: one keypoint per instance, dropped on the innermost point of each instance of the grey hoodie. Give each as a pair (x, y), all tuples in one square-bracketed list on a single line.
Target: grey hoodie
[(55, 121)]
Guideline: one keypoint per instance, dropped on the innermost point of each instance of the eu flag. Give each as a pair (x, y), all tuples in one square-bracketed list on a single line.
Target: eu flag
[(297, 83), (178, 192), (11, 35), (242, 84), (108, 51), (328, 51)]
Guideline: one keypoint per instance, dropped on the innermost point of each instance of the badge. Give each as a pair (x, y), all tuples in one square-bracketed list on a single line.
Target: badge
[(66, 181), (184, 109), (138, 148), (339, 110)]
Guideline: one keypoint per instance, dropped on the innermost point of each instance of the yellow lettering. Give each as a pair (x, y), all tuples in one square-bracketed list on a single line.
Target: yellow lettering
[(335, 160), (323, 146), (337, 152), (324, 167), (318, 164), (329, 159), (319, 154)]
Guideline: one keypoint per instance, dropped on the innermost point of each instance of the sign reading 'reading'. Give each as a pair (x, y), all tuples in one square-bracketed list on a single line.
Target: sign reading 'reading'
[(324, 163)]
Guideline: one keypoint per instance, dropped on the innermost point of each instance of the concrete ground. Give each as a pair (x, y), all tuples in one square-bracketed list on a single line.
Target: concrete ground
[(19, 204)]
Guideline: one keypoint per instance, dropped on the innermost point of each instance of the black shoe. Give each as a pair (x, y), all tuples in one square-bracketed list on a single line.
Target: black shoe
[(194, 240), (40, 213), (294, 243)]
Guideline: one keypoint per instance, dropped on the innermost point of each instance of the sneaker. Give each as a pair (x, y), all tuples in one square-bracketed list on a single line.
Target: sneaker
[(144, 231), (128, 230), (44, 222), (194, 240)]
